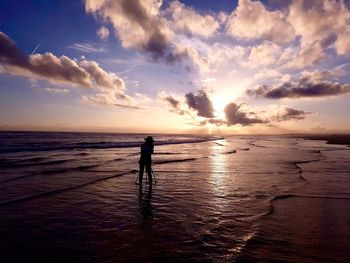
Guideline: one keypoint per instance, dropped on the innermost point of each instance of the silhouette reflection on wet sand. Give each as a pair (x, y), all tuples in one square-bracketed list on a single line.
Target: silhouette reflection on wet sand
[(145, 205)]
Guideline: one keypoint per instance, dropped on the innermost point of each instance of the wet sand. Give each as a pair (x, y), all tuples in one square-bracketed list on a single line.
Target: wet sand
[(310, 224), (303, 229)]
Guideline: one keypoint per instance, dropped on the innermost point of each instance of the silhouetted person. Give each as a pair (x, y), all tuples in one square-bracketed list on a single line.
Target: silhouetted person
[(146, 158)]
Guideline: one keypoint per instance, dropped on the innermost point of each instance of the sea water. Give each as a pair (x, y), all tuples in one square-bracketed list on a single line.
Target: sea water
[(72, 197)]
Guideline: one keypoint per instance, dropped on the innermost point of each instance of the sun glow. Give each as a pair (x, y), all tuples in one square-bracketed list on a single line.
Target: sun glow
[(219, 104)]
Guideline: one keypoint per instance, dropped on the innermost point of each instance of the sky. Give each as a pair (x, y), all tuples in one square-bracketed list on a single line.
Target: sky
[(194, 66)]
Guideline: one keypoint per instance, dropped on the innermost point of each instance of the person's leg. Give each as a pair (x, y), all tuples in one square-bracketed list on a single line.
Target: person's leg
[(142, 167), (149, 172)]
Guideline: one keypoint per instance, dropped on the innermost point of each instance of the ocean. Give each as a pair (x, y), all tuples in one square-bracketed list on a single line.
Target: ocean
[(72, 197)]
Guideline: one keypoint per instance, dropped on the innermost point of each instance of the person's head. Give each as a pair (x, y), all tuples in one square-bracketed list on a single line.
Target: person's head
[(149, 140)]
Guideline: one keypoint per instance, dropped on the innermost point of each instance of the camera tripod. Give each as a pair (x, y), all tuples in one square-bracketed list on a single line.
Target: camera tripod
[(153, 176)]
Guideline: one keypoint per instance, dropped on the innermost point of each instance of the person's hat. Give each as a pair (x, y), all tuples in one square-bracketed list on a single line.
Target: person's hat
[(149, 139)]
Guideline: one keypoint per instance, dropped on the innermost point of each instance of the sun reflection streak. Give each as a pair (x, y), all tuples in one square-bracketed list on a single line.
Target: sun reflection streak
[(219, 171)]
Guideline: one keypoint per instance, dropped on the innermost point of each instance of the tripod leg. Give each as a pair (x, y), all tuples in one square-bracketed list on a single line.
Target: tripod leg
[(137, 177), (154, 177)]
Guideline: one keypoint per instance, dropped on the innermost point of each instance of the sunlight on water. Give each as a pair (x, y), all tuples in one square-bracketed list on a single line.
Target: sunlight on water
[(219, 172)]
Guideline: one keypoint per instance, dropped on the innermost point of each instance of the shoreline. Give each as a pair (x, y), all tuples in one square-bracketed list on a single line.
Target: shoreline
[(341, 139)]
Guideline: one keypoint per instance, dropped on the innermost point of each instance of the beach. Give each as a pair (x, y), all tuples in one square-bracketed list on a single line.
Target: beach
[(72, 197), (343, 139)]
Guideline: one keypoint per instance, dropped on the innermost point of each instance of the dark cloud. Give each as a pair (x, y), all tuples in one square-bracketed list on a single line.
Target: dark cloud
[(287, 114), (217, 122), (128, 106), (328, 40), (55, 69), (175, 105), (158, 41), (235, 115), (138, 25), (304, 88), (173, 102), (9, 54), (201, 103), (46, 65), (347, 3)]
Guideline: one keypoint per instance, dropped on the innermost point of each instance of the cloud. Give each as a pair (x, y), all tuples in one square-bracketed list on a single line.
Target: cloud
[(263, 54), (111, 99), (189, 21), (306, 56), (235, 115), (56, 90), (214, 121), (173, 102), (251, 20), (142, 26), (137, 23), (191, 57), (303, 88), (88, 48), (204, 58), (287, 114), (101, 77), (173, 34), (103, 33), (201, 103), (220, 54), (176, 105), (84, 73), (267, 73), (322, 32), (325, 74), (201, 81), (34, 84), (56, 69), (327, 23), (217, 122)]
